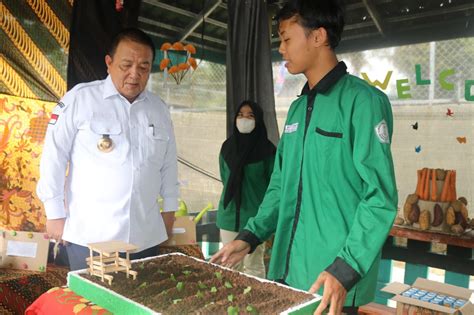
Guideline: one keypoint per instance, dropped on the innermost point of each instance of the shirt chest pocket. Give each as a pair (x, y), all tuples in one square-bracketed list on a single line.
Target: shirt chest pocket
[(108, 127), (156, 144), (328, 143), (106, 135)]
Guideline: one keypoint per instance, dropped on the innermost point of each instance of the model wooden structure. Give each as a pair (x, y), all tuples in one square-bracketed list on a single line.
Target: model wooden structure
[(108, 259)]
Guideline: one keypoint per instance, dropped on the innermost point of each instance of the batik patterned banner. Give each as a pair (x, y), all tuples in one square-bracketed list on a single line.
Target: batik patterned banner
[(35, 43), (23, 124)]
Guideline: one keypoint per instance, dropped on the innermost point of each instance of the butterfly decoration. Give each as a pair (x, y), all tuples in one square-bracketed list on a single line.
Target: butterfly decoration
[(461, 139), (449, 112), (418, 149), (415, 126)]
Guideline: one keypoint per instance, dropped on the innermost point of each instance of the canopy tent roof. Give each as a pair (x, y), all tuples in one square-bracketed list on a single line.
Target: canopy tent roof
[(369, 23)]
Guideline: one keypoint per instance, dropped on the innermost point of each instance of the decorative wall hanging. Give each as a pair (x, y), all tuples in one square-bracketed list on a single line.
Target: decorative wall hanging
[(177, 60)]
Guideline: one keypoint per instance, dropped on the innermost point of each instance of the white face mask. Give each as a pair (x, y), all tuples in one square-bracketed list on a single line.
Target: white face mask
[(245, 125)]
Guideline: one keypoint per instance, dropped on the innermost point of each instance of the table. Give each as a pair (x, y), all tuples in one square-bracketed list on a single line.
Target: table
[(457, 260), (63, 301), (433, 237), (19, 288), (458, 257)]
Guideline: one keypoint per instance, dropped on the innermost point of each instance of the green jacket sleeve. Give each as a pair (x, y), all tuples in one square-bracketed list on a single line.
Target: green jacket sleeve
[(224, 174), (378, 206), (222, 169), (263, 225), (269, 163)]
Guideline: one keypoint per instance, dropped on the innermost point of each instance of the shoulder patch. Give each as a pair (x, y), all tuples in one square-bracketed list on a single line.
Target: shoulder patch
[(54, 119), (59, 108), (381, 130)]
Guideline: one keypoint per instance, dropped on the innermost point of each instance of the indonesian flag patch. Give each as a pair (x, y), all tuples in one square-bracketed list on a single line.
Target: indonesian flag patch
[(54, 119)]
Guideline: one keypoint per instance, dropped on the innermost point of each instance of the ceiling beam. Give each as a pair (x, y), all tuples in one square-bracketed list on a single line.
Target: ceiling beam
[(171, 8), (199, 19), (438, 12), (180, 30), (357, 26), (352, 37), (349, 27), (187, 13), (160, 24), (197, 45), (354, 6), (360, 35), (374, 14)]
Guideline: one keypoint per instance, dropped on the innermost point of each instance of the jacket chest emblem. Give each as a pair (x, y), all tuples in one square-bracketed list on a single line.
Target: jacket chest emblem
[(291, 128)]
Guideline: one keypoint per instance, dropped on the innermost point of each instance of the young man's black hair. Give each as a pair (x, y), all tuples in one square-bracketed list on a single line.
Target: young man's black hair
[(312, 14)]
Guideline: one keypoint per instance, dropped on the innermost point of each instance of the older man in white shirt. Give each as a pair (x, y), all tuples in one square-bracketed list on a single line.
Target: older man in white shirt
[(109, 152)]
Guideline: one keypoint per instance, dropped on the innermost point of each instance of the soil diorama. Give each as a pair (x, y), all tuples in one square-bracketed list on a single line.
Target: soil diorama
[(179, 284)]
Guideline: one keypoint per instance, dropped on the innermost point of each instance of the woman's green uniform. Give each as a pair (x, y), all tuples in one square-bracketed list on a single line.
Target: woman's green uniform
[(254, 184)]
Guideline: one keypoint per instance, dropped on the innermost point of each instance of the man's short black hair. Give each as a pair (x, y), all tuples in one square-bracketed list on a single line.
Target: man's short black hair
[(134, 35), (312, 14)]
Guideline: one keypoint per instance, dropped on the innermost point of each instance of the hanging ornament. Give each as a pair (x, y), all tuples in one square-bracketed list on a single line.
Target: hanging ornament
[(183, 62), (118, 5)]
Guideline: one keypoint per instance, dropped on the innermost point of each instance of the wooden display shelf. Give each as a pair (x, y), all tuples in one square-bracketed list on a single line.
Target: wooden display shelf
[(433, 237)]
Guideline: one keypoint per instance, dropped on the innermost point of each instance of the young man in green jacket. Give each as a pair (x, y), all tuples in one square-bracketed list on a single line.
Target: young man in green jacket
[(332, 197)]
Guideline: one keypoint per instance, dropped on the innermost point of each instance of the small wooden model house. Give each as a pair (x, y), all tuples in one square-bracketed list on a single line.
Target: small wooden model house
[(108, 259)]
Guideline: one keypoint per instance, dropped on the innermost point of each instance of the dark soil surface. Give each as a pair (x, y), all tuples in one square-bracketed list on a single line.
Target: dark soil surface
[(178, 284)]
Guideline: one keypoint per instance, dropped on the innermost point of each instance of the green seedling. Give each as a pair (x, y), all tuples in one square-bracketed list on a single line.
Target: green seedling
[(199, 294), (213, 290), (176, 301), (230, 297), (172, 277), (144, 284), (202, 285), (228, 285), (252, 310), (186, 272), (218, 275), (180, 286), (233, 310), (247, 290)]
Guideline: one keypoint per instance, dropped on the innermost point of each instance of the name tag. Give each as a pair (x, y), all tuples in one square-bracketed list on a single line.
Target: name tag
[(291, 128)]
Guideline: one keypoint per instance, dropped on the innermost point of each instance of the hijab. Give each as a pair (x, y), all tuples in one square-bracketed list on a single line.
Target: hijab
[(241, 149)]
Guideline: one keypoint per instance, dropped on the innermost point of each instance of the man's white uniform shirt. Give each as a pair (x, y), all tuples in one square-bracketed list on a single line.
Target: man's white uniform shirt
[(109, 195)]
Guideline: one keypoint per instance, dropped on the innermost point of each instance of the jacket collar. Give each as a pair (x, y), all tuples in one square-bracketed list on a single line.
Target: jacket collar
[(327, 81)]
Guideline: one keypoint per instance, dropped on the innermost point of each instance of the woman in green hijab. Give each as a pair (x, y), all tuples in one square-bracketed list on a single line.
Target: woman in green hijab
[(246, 164)]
